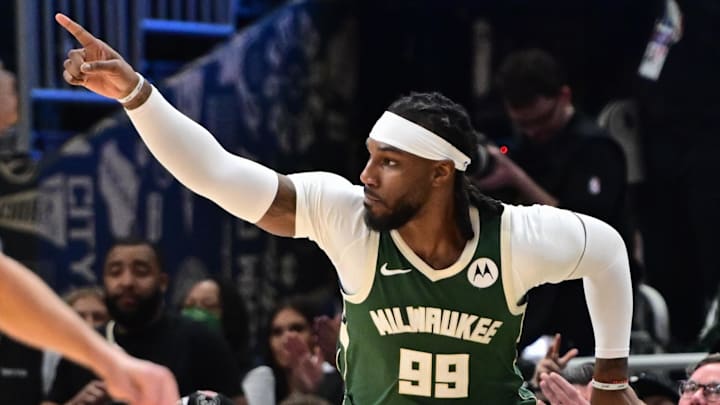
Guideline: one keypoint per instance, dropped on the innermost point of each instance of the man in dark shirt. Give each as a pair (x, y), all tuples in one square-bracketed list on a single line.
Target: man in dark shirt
[(134, 285), (20, 379), (563, 159)]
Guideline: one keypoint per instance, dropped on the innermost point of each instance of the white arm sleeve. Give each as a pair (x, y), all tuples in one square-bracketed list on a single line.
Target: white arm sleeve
[(187, 150), (553, 245)]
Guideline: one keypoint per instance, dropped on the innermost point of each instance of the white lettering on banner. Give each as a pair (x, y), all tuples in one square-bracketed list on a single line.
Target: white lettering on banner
[(38, 212), (119, 187), (154, 215), (81, 223), (458, 325)]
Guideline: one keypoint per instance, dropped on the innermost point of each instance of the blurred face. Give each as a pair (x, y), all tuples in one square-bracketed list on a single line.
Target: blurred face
[(286, 323), (92, 310), (703, 387), (205, 295), (543, 118), (397, 185), (134, 284), (8, 100)]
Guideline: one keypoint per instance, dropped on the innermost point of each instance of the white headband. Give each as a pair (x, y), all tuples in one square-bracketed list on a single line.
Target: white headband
[(406, 135)]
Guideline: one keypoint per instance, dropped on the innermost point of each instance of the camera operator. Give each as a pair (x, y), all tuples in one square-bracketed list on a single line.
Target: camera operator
[(564, 159)]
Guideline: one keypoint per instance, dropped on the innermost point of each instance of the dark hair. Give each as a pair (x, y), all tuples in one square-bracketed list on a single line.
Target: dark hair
[(450, 121), (580, 374), (234, 319), (526, 75), (309, 310), (138, 241), (709, 359)]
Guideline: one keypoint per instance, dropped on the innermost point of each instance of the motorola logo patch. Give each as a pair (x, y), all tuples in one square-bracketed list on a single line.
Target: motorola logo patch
[(483, 273)]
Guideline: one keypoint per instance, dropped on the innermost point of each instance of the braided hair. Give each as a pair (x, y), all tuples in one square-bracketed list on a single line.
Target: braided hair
[(450, 121)]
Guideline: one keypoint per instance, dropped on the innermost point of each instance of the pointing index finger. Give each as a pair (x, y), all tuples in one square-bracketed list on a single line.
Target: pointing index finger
[(81, 34)]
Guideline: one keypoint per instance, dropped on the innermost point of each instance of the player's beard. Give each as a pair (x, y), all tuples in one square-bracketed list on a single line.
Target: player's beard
[(145, 311), (398, 217)]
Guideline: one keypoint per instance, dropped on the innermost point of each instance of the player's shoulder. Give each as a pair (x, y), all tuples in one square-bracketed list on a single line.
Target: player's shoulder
[(538, 215), (534, 210), (327, 185)]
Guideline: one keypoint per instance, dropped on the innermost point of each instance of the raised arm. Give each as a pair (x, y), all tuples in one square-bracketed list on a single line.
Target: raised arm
[(32, 313), (244, 188)]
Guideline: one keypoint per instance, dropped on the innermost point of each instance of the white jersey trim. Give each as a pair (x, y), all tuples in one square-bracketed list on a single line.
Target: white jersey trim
[(508, 275), (368, 274)]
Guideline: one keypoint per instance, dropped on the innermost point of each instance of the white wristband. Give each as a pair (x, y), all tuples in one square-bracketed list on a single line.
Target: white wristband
[(609, 386), (134, 92)]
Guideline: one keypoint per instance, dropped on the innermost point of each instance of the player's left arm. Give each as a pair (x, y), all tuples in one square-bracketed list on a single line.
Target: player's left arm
[(553, 245), (605, 269)]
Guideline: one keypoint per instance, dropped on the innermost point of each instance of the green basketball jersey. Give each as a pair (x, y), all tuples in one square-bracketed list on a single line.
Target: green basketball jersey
[(418, 341)]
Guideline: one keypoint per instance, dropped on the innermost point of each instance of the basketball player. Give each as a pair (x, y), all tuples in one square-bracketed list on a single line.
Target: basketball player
[(432, 272), (32, 313)]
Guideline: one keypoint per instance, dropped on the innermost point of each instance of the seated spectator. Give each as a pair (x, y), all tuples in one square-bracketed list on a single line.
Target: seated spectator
[(89, 303), (295, 364), (20, 377), (217, 302), (134, 284), (703, 384), (654, 390)]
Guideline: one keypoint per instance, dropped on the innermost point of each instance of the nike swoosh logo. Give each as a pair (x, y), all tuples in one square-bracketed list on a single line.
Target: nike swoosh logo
[(386, 272)]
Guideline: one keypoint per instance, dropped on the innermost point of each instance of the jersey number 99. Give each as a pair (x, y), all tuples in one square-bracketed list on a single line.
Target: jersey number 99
[(450, 377)]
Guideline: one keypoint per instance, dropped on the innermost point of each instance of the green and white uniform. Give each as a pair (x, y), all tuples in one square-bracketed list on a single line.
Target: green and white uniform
[(414, 334), (537, 245), (440, 339)]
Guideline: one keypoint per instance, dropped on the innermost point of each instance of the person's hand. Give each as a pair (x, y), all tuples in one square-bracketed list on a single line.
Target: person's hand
[(560, 392), (140, 382), (94, 393), (327, 331), (552, 362), (96, 65), (306, 365), (505, 173)]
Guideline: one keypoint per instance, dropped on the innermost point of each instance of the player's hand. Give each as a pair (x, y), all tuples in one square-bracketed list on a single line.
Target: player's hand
[(140, 382), (553, 362), (94, 393), (96, 65)]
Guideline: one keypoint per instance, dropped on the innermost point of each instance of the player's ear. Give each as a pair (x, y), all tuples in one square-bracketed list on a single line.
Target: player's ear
[(442, 172)]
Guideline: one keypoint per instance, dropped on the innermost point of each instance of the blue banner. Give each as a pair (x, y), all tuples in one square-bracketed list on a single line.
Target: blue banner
[(280, 92)]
